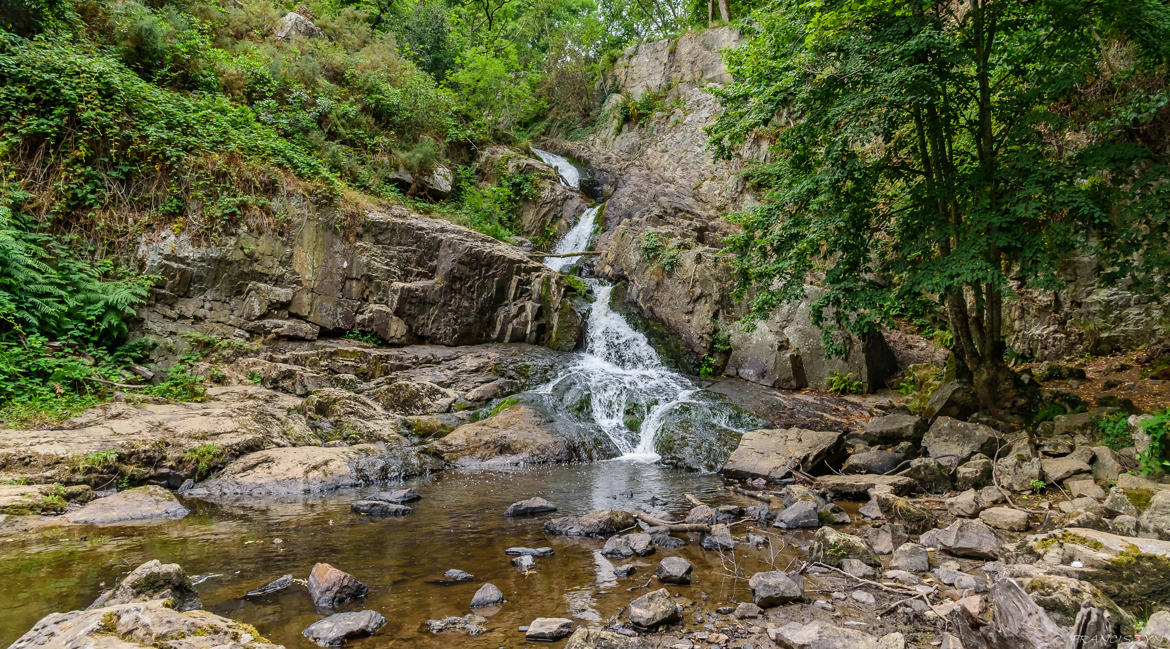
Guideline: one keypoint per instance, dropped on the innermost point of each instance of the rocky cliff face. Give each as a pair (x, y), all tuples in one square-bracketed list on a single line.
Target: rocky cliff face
[(664, 219), (403, 277)]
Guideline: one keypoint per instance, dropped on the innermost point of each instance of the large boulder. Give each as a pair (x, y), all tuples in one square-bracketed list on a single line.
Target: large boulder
[(955, 399), (487, 595), (547, 629), (970, 538), (771, 453), (153, 581), (894, 429), (599, 523), (654, 609), (857, 487), (775, 587), (142, 503), (329, 586), (516, 435), (530, 507), (953, 442), (339, 627), (1155, 519), (294, 25), (823, 635)]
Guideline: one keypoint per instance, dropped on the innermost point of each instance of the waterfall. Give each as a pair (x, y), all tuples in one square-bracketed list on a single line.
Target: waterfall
[(569, 174), (618, 384)]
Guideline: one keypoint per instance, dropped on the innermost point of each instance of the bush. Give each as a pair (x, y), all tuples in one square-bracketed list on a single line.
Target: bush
[(845, 384), (1113, 431), (1156, 458)]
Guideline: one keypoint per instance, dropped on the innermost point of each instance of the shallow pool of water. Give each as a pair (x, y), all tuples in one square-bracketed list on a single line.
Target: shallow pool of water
[(459, 523)]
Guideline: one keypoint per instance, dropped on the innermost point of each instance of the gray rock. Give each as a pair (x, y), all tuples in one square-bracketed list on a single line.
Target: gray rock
[(379, 508), (1106, 464), (530, 507), (138, 504), (673, 570), (801, 514), (862, 597), (1116, 504), (1060, 468), (617, 547), (975, 473), (856, 487), (747, 610), (775, 587), (584, 638), (1157, 630), (276, 585), (471, 624), (771, 453), (929, 475), (398, 496), (487, 595), (831, 547), (718, 539), (1124, 525), (821, 635), (524, 563), (965, 538), (1086, 487), (1155, 519), (856, 568), (1005, 518), (293, 25), (955, 400), (517, 551), (700, 514), (893, 429), (339, 627), (599, 523), (654, 609), (1018, 469), (910, 557), (641, 544), (457, 575), (153, 581), (329, 586), (884, 539), (953, 441), (965, 505), (547, 629)]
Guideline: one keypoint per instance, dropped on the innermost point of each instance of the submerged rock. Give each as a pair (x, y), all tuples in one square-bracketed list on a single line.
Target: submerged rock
[(339, 627), (329, 586), (276, 585), (954, 442), (487, 595), (517, 551), (654, 609), (398, 496), (457, 575), (138, 504), (530, 507), (599, 523), (547, 629), (379, 508), (470, 624), (150, 582)]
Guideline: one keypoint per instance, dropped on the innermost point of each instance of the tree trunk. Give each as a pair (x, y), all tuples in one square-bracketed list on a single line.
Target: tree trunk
[(723, 11), (710, 12)]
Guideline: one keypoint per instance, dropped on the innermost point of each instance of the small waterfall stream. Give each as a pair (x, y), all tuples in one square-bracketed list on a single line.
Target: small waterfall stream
[(618, 383)]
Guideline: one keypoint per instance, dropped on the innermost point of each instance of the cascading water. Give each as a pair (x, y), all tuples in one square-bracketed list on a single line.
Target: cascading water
[(618, 384), (568, 172)]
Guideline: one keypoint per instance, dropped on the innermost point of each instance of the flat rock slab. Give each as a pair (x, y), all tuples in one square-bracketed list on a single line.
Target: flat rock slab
[(599, 523), (379, 508), (471, 624), (770, 453), (339, 627), (398, 496), (856, 487), (547, 629), (530, 507), (274, 586), (139, 504), (584, 638), (534, 552)]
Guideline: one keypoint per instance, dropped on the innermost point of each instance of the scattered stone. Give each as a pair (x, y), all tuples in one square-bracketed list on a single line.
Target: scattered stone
[(775, 587), (295, 25), (153, 581), (674, 570), (1077, 505), (1156, 518), (915, 518), (820, 635), (276, 585), (719, 538), (1086, 487), (801, 514), (1005, 518), (487, 595), (624, 570), (1060, 468), (1124, 525), (1018, 469), (955, 399), (910, 557), (886, 538), (584, 638), (856, 487), (895, 428), (329, 586), (517, 551), (747, 610), (339, 627), (471, 624), (929, 475), (1157, 630), (398, 496), (138, 504), (874, 460), (863, 597), (856, 568), (547, 629), (831, 547), (1107, 465), (654, 609), (530, 507), (771, 453), (975, 473), (964, 505), (379, 508), (964, 538), (1116, 503), (700, 514), (617, 547), (760, 514), (951, 576), (953, 441), (457, 575), (833, 514), (599, 523), (524, 563)]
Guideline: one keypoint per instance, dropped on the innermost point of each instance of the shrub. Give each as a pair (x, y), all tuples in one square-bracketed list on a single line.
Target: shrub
[(840, 383), (1113, 431), (1156, 458)]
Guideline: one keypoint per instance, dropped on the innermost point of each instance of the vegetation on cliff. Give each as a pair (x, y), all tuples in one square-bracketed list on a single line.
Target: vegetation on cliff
[(939, 156)]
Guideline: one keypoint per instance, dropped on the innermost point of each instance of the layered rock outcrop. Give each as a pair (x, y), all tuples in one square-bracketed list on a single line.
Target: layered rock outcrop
[(403, 277)]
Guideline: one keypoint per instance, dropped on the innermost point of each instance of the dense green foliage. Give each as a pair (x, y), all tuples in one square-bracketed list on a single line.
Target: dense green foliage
[(935, 152), (1156, 458)]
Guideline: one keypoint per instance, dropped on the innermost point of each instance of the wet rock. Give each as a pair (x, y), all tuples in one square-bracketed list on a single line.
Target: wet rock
[(398, 496), (910, 557), (955, 399), (617, 547), (929, 475), (718, 539), (831, 547), (965, 538), (654, 609), (524, 563), (599, 523), (760, 514), (153, 581), (701, 514), (666, 541), (329, 586), (530, 507), (471, 624), (975, 473), (339, 627), (516, 435), (673, 570), (1155, 519), (624, 570), (775, 587), (141, 503), (856, 487), (747, 610), (584, 638), (379, 508), (1005, 518), (517, 551), (547, 629), (641, 544), (487, 595), (953, 441), (874, 460), (894, 429), (276, 585), (821, 635), (965, 505), (456, 575), (140, 624), (801, 514), (770, 453)]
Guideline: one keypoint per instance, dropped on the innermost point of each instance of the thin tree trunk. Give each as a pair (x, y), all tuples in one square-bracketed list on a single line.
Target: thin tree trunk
[(710, 12), (723, 11)]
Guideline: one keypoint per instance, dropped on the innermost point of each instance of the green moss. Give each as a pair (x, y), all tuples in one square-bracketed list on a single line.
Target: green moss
[(503, 405), (1067, 537), (1136, 581), (1139, 497), (203, 459)]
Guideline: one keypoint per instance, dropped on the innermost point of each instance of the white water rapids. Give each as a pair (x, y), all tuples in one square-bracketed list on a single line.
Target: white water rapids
[(618, 383)]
